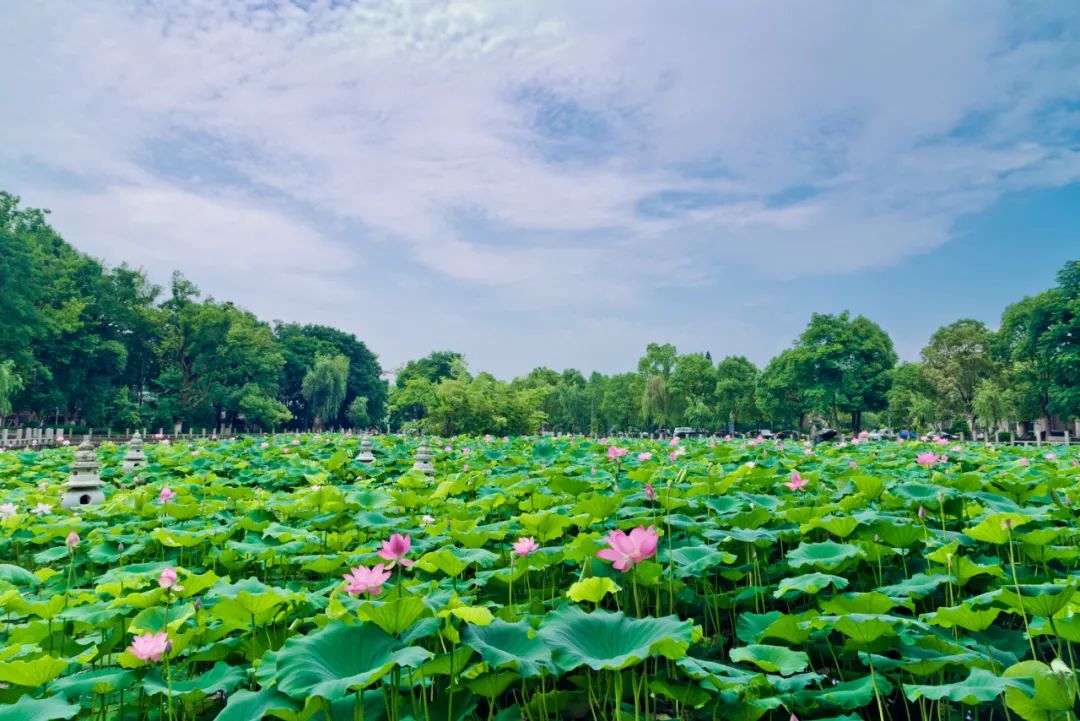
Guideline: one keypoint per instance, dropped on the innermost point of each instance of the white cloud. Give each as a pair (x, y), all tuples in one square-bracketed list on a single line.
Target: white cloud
[(550, 121)]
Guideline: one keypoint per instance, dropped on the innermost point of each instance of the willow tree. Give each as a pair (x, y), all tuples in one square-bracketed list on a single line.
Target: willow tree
[(324, 387)]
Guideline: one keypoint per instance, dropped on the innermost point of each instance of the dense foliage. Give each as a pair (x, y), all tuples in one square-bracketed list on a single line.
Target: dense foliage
[(89, 345), (544, 579)]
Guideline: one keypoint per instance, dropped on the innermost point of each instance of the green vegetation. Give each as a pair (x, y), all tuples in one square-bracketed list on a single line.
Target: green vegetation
[(543, 579), (88, 345)]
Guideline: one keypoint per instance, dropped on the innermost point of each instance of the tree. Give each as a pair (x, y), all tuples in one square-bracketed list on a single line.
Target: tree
[(10, 383), (659, 360), (992, 404), (844, 364), (433, 367), (912, 398), (693, 383), (1022, 345), (736, 382), (358, 413), (779, 390), (956, 361), (324, 387), (300, 344), (621, 404), (1062, 340)]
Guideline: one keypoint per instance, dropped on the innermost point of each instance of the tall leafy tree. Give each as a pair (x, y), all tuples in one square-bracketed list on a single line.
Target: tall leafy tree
[(692, 384), (324, 387), (957, 359), (735, 392), (779, 391), (844, 363), (912, 398)]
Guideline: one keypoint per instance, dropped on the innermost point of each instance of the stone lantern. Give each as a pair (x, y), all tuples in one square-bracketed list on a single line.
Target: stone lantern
[(423, 459), (365, 455), (134, 458), (84, 486)]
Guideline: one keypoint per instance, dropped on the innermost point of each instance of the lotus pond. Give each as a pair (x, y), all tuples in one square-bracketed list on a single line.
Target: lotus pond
[(543, 579)]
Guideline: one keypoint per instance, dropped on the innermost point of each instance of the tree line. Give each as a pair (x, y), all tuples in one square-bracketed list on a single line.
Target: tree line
[(82, 343)]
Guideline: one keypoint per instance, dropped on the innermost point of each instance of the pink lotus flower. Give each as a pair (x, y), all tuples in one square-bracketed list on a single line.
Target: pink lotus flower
[(284, 450), (524, 546), (650, 492), (166, 496), (727, 437), (944, 458), (750, 464), (167, 580), (808, 452), (922, 511), (614, 453), (465, 467), (1050, 456), (603, 441), (72, 540), (427, 520), (296, 441), (42, 509), (645, 456), (1025, 462), (797, 482), (448, 449), (8, 510), (466, 450), (150, 646), (366, 580), (264, 444), (673, 442), (166, 442), (940, 441), (852, 464), (395, 550), (487, 438), (627, 550), (956, 449), (926, 459)]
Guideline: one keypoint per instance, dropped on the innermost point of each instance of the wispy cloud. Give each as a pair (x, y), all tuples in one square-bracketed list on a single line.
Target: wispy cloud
[(600, 150)]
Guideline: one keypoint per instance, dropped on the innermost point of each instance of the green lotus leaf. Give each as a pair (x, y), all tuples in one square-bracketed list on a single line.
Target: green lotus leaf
[(686, 694), (246, 705), (447, 664), (697, 560), (1044, 599), (844, 603), (980, 686), (865, 628), (221, 677), (772, 659), (396, 615), (750, 626), (17, 575), (1039, 691), (964, 616), (31, 709), (847, 695), (99, 681), (604, 640), (492, 684), (33, 672), (869, 486), (995, 528), (510, 645), (592, 589), (839, 526), (826, 556), (809, 583), (338, 659), (917, 586)]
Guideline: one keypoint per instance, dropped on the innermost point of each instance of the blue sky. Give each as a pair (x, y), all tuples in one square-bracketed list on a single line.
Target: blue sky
[(559, 183)]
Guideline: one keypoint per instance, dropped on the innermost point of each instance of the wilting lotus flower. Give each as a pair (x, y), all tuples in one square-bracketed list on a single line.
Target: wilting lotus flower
[(167, 580), (645, 456), (72, 540), (42, 509), (797, 482), (524, 546), (8, 510), (614, 453), (1025, 462), (650, 492), (926, 459), (150, 646), (395, 550), (166, 496), (627, 550), (367, 580)]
